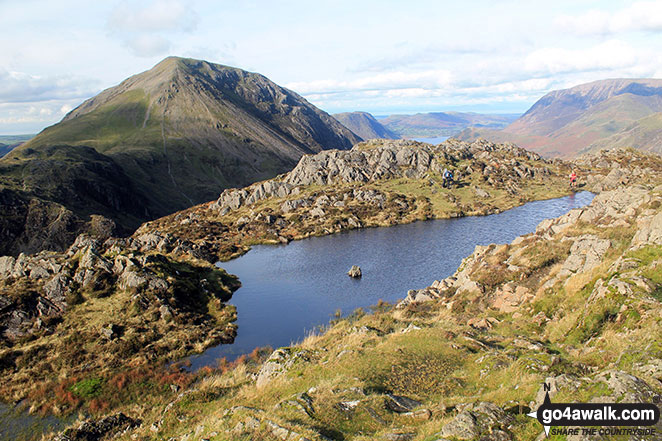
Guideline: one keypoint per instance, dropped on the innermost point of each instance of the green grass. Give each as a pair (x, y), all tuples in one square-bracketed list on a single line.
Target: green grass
[(89, 388)]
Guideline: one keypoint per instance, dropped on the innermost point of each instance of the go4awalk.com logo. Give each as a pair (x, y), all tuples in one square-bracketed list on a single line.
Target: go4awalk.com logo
[(607, 419)]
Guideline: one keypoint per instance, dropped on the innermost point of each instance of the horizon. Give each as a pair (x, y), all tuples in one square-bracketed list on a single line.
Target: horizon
[(379, 57)]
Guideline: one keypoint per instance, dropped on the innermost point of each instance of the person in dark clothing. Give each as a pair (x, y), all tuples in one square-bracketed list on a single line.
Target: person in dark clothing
[(447, 178)]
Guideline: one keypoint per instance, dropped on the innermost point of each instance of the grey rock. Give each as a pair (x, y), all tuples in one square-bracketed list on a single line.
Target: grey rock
[(292, 205), (104, 428), (279, 362), (111, 332), (317, 212), (462, 427), (400, 404), (166, 313), (355, 272), (400, 436), (348, 406)]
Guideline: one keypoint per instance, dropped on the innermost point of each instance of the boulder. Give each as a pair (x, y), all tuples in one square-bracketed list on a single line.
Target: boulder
[(462, 427), (586, 253), (484, 417), (279, 362), (105, 428), (400, 404), (355, 272)]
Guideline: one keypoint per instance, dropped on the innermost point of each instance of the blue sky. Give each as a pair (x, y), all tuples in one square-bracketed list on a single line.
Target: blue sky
[(378, 56)]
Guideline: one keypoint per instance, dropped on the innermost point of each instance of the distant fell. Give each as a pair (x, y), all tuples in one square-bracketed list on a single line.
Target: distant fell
[(9, 142), (364, 125), (606, 113), (435, 124), (177, 134)]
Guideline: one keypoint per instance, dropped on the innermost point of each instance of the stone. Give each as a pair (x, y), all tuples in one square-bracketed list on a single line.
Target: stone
[(400, 436), (279, 362), (166, 313), (482, 323), (348, 406), (462, 427), (419, 415), (586, 253), (112, 331), (481, 193), (400, 404), (355, 272), (105, 428), (510, 297)]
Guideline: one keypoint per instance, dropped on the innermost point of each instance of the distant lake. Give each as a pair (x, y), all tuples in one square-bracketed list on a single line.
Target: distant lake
[(289, 290), (434, 141)]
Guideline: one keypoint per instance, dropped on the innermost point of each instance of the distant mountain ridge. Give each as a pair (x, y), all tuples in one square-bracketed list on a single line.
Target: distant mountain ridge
[(364, 125), (605, 113), (9, 142), (160, 141), (435, 124)]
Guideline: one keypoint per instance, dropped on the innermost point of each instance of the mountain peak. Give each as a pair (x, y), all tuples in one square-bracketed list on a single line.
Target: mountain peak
[(181, 133)]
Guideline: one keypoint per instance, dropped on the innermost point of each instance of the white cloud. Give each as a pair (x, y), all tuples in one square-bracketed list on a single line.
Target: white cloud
[(640, 16), (158, 16), (22, 87), (33, 116), (431, 79), (148, 45), (609, 55), (144, 29)]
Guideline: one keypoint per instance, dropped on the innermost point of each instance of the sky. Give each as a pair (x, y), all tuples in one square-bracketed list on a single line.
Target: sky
[(383, 57)]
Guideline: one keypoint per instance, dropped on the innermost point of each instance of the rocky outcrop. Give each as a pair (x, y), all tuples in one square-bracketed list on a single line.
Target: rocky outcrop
[(619, 167), (124, 299), (369, 162), (355, 272), (622, 208), (104, 428), (476, 419), (279, 362)]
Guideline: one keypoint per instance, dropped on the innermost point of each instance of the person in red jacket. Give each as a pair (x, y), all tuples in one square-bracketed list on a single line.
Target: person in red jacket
[(573, 180)]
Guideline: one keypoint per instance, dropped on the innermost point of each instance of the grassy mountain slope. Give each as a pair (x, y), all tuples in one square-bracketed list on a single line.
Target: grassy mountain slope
[(364, 125), (178, 134), (644, 134), (70, 321), (565, 122)]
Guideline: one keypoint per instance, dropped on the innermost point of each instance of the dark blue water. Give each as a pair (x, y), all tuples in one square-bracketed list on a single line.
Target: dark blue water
[(288, 290)]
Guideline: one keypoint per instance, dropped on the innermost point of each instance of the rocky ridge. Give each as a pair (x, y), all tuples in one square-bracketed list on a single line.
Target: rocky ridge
[(375, 183)]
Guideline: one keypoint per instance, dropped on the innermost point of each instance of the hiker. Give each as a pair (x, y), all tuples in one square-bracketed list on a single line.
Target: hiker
[(573, 179), (448, 178)]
